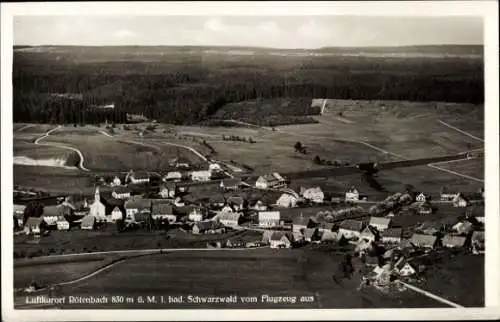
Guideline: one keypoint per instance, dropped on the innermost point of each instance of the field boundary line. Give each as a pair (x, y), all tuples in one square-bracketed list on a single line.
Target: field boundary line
[(461, 131), (429, 294), (455, 173), (25, 127)]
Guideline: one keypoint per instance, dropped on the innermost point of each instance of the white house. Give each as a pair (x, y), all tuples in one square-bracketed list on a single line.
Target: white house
[(168, 190), (135, 206), (116, 182), (421, 197), (62, 223), (270, 181), (350, 228), (230, 219), (201, 176), (368, 235), (121, 192), (116, 214), (97, 208), (403, 268), (173, 176), (269, 218), (460, 201), (195, 215), (352, 195), (287, 200), (315, 194), (280, 239), (392, 235), (139, 177), (381, 223)]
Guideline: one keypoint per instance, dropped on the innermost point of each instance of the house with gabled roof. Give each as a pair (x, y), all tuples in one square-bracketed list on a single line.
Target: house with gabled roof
[(287, 200), (201, 176), (230, 219), (381, 223), (121, 192), (270, 181), (369, 234), (139, 177), (116, 214), (314, 194), (392, 235), (195, 214), (421, 240), (34, 226), (452, 241), (173, 176), (168, 190), (163, 211), (62, 223), (281, 239), (135, 206), (352, 194), (460, 201), (421, 197), (404, 268), (350, 228)]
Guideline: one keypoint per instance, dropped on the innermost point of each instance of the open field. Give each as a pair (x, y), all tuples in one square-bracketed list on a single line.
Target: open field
[(248, 273), (472, 167), (53, 179), (78, 241)]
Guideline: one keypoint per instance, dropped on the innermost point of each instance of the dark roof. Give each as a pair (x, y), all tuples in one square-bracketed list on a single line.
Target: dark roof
[(141, 175), (421, 239), (33, 221), (138, 204), (184, 210), (121, 190), (231, 182), (51, 211), (169, 185), (393, 232), (457, 241), (207, 225), (235, 200), (350, 224), (217, 199), (326, 225), (380, 221), (162, 209), (478, 235)]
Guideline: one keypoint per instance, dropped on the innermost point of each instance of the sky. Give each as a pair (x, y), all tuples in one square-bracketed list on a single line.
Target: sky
[(259, 31)]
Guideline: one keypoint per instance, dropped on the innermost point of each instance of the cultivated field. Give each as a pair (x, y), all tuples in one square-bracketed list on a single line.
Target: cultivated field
[(472, 167)]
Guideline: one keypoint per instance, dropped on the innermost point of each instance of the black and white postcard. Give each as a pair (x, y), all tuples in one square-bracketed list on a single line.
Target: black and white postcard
[(192, 160)]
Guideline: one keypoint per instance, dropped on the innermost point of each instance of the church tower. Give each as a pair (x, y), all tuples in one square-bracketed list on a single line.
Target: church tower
[(97, 195)]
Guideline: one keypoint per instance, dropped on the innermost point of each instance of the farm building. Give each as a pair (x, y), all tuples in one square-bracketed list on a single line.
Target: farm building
[(287, 200), (236, 202), (369, 234), (195, 215), (301, 222), (116, 214), (381, 223), (269, 218), (460, 201), (134, 206), (168, 190), (477, 241), (173, 176), (121, 192), (97, 208), (350, 228), (315, 195), (392, 235), (230, 184), (352, 194), (50, 215), (207, 227), (62, 223), (230, 219), (138, 177), (88, 222), (270, 181), (201, 176), (280, 239), (421, 240), (163, 211), (452, 241), (463, 227), (34, 226), (217, 201)]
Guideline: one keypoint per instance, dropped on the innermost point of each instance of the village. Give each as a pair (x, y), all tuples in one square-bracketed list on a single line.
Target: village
[(377, 232)]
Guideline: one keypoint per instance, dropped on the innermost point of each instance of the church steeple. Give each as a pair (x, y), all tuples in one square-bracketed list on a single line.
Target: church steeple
[(97, 196)]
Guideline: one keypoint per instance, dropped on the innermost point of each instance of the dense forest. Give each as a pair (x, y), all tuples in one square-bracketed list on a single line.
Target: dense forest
[(186, 86)]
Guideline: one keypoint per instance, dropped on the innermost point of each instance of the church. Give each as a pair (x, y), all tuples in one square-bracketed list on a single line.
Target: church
[(97, 208)]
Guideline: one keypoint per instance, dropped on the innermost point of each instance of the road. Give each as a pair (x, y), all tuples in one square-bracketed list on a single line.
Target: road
[(461, 131), (80, 154)]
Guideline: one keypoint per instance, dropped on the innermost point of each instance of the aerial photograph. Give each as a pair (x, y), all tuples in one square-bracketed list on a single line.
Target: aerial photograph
[(248, 162)]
